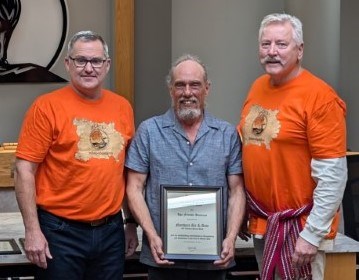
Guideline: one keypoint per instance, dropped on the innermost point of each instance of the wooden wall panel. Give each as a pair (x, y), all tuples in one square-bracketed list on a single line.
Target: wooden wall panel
[(124, 48)]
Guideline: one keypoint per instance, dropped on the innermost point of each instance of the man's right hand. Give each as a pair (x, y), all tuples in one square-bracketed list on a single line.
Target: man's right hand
[(157, 252), (37, 249)]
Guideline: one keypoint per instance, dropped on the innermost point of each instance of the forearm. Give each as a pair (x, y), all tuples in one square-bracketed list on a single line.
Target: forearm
[(141, 213), (136, 202), (331, 177), (26, 193), (236, 206)]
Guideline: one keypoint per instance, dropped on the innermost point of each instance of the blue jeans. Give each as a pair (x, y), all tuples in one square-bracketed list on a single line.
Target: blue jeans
[(81, 251)]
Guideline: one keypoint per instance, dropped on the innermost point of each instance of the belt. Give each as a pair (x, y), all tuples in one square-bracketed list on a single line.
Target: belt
[(93, 223), (100, 222)]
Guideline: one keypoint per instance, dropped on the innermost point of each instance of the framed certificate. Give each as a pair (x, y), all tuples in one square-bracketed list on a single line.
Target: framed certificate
[(192, 222), (8, 247)]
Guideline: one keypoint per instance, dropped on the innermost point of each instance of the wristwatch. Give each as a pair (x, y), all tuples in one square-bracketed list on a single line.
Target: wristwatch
[(130, 220)]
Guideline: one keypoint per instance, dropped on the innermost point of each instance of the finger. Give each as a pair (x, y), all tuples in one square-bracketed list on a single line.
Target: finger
[(301, 261), (43, 262), (29, 257), (128, 252), (165, 262), (131, 250), (47, 252), (221, 263), (295, 260), (135, 244), (35, 259), (224, 261), (41, 255), (160, 253), (224, 253), (157, 256)]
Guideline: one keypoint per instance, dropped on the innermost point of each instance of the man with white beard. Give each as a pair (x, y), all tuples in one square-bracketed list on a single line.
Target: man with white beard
[(187, 147)]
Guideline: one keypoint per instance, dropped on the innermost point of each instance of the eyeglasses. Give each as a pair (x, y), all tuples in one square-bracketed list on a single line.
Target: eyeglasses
[(82, 62), (194, 86)]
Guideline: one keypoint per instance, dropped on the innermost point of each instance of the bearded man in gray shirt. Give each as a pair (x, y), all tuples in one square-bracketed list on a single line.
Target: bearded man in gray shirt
[(186, 146)]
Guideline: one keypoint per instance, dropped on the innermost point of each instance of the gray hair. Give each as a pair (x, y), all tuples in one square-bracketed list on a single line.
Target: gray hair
[(294, 21), (87, 36), (185, 57)]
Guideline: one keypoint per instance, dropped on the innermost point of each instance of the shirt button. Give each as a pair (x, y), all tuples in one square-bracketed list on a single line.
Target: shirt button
[(190, 184), (191, 163), (187, 142)]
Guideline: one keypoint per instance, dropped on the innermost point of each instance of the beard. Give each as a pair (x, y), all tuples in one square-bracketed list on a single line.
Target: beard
[(188, 114), (184, 113)]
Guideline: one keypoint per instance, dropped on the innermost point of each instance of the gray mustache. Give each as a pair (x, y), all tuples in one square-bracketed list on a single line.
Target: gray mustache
[(271, 60)]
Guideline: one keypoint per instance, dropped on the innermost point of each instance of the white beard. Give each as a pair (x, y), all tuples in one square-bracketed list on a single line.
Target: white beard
[(188, 114)]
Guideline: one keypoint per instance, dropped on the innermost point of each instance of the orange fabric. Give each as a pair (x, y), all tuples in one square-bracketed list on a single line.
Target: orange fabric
[(282, 129), (80, 147)]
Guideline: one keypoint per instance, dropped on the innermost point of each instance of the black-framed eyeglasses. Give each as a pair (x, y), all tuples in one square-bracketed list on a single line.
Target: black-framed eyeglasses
[(82, 62)]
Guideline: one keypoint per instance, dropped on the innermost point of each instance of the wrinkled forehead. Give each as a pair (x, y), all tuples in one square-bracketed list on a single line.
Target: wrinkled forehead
[(277, 29), (188, 70), (88, 47)]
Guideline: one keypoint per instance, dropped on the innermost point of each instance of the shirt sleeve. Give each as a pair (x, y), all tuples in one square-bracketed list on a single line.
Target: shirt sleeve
[(235, 161), (36, 135), (331, 177), (137, 156), (327, 130)]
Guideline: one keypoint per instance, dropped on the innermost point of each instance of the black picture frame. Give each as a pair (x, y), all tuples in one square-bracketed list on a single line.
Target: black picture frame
[(192, 222)]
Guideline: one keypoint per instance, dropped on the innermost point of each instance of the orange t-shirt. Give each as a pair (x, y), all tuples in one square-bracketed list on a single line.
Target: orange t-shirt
[(80, 147), (282, 129)]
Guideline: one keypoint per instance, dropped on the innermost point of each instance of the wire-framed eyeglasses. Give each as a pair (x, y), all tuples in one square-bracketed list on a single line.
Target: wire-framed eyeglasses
[(82, 62)]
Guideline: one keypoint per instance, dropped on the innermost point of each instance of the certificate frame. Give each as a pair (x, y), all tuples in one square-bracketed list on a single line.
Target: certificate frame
[(192, 222), (9, 247)]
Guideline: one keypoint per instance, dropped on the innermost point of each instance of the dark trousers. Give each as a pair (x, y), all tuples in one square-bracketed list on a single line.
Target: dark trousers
[(155, 273), (81, 251)]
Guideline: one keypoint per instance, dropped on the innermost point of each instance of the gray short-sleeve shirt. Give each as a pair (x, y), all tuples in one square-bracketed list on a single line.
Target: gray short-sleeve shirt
[(161, 150)]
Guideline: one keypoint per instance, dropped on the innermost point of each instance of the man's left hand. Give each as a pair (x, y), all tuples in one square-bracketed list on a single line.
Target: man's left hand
[(131, 239), (304, 253)]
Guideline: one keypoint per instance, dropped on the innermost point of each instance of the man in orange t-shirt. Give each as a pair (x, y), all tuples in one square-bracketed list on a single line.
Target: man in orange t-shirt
[(70, 182), (294, 146)]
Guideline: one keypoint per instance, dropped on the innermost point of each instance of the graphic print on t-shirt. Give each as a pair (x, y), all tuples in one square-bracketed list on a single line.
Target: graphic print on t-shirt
[(97, 140), (261, 126)]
